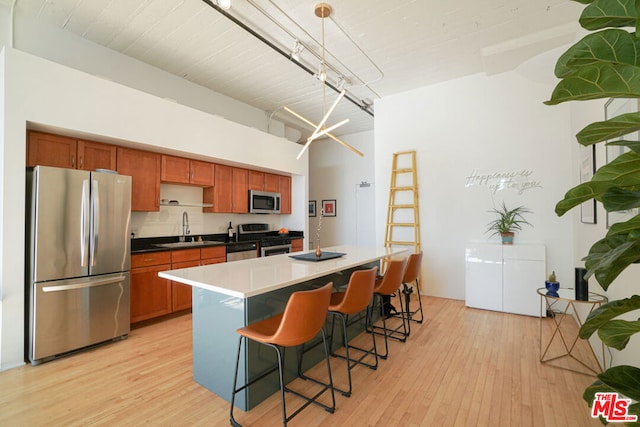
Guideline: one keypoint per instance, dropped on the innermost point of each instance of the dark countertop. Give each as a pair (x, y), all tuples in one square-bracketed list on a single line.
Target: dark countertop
[(153, 244)]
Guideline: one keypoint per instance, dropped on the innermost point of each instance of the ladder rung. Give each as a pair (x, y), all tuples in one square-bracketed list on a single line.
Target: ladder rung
[(401, 243), (403, 224), (403, 206), (403, 170), (402, 188)]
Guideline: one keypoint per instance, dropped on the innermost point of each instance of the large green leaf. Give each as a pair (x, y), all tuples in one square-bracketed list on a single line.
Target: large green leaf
[(623, 379), (623, 171), (609, 257), (619, 199), (627, 228), (617, 333), (602, 80), (607, 312), (608, 13), (612, 45), (609, 129), (632, 145)]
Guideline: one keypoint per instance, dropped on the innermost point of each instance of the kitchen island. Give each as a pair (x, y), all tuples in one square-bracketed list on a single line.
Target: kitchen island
[(229, 296)]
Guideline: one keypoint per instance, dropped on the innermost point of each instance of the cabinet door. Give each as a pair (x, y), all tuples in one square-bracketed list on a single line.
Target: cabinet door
[(213, 252), (271, 182), (483, 280), (180, 293), (523, 273), (296, 245), (175, 170), (221, 189), (51, 150), (240, 190), (285, 194), (201, 173), (150, 294), (144, 169), (94, 155), (256, 180)]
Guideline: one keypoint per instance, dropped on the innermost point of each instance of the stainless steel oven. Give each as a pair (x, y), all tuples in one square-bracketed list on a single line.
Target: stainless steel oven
[(275, 250)]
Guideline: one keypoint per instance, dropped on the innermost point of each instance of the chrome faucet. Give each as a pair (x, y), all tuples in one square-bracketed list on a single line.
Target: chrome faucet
[(185, 226)]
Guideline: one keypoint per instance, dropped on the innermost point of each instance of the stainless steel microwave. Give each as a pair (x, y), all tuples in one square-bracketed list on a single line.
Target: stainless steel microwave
[(264, 202)]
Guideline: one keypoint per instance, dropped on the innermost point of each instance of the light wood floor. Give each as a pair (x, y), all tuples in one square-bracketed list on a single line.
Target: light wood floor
[(461, 367)]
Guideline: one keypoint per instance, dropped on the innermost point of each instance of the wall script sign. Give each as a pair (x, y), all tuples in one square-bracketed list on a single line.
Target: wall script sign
[(519, 181)]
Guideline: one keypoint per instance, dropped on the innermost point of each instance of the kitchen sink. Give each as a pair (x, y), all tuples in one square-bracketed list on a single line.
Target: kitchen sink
[(188, 244)]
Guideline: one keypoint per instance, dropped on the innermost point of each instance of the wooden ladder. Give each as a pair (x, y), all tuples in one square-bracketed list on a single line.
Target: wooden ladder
[(403, 215)]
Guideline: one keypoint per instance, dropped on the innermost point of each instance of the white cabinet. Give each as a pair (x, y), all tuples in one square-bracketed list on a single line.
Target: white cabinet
[(505, 277)]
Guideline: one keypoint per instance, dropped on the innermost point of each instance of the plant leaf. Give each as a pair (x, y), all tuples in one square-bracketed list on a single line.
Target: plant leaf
[(620, 199), (607, 312), (608, 257), (609, 129), (612, 45), (617, 333), (602, 80), (632, 145), (623, 379), (626, 228), (608, 13), (623, 171)]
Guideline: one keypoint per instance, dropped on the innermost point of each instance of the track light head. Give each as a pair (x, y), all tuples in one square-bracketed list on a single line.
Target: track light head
[(224, 4)]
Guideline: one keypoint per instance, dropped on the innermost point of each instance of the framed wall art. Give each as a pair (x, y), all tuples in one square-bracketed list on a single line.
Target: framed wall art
[(587, 169), (329, 207), (312, 208)]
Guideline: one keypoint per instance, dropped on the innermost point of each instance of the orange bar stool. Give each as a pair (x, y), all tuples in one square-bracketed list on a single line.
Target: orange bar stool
[(411, 276), (387, 285), (303, 318), (354, 300)]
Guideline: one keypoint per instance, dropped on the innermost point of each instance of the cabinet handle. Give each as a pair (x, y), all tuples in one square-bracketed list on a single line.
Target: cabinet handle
[(73, 161), (81, 162)]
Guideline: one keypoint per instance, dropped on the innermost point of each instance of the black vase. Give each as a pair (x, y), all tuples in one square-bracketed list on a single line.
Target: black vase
[(582, 285)]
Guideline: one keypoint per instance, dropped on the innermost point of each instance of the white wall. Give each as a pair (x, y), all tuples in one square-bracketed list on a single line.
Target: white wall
[(51, 95), (334, 173), (494, 124)]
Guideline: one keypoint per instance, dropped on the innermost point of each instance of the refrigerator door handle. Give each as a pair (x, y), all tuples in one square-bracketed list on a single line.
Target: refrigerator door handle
[(84, 284), (84, 224), (95, 196)]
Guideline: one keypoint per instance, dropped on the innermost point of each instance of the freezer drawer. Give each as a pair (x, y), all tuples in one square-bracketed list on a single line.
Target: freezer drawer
[(71, 314)]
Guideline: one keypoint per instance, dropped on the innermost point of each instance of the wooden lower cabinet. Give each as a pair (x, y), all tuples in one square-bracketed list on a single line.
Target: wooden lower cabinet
[(297, 245), (153, 296), (150, 294)]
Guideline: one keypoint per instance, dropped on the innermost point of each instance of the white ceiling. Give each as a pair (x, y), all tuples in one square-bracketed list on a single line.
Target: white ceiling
[(399, 45)]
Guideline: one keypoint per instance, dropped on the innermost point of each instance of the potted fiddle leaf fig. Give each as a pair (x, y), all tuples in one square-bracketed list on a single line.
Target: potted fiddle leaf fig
[(606, 64), (507, 222)]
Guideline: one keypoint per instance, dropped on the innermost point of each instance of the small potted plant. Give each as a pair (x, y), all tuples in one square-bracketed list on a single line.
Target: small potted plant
[(552, 285), (508, 221)]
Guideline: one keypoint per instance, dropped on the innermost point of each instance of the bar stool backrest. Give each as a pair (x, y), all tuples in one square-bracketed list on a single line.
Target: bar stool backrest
[(359, 292), (392, 278), (413, 268), (303, 316)]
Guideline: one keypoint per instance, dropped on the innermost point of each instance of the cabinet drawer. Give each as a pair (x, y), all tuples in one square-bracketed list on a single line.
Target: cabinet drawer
[(213, 261), (185, 255), (214, 252), (150, 258)]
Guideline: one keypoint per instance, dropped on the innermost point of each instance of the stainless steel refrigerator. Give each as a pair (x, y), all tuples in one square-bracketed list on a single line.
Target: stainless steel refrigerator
[(78, 252)]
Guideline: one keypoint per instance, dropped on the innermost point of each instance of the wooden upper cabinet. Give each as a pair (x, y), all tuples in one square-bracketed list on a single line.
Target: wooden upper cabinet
[(240, 190), (271, 182), (51, 150), (175, 170), (94, 155), (144, 169), (220, 194), (201, 173), (179, 170), (285, 194), (256, 180), (61, 151)]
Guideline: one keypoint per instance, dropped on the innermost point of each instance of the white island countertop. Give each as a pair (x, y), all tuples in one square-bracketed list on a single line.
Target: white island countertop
[(251, 277)]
